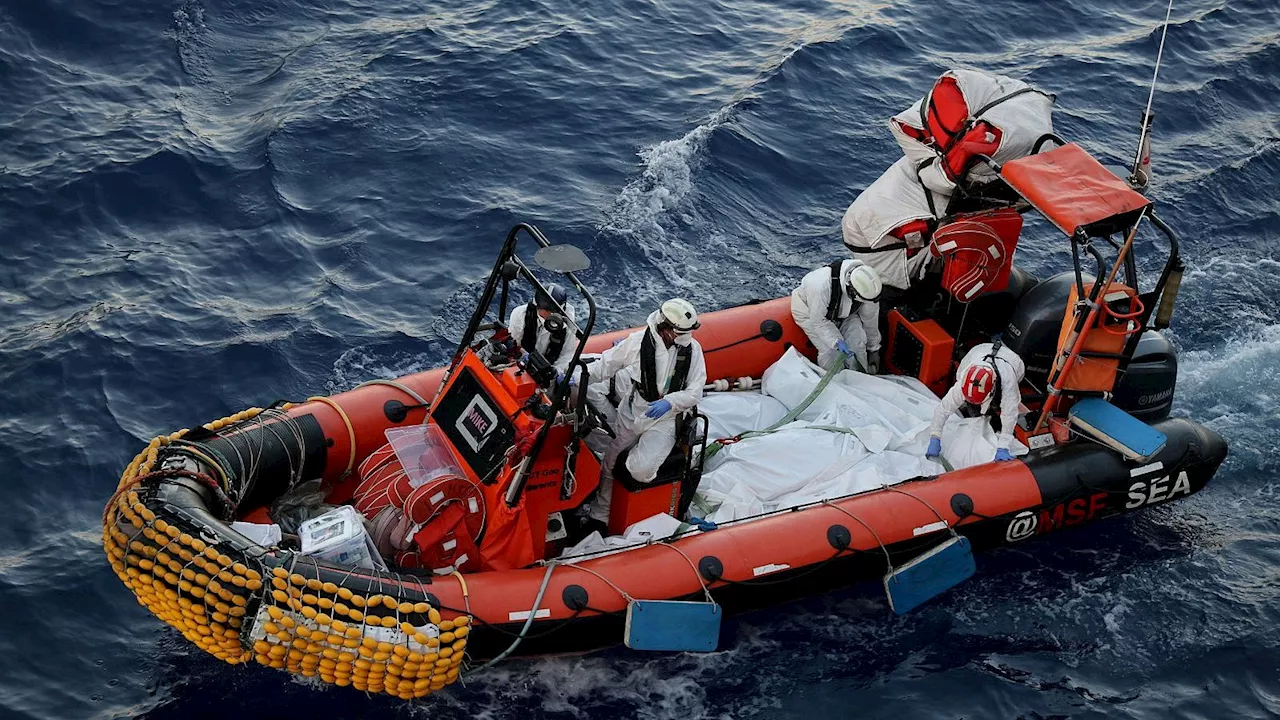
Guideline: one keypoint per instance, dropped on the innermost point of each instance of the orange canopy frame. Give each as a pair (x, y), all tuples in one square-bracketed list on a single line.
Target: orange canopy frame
[(1075, 191)]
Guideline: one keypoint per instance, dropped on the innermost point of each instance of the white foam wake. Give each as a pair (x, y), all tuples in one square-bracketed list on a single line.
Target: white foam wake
[(1235, 390), (665, 183)]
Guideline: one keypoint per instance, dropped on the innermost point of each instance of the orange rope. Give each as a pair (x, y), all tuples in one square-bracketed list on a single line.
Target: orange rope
[(351, 431)]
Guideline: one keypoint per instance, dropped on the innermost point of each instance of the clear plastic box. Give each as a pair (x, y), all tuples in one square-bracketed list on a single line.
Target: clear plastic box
[(339, 537), (423, 452)]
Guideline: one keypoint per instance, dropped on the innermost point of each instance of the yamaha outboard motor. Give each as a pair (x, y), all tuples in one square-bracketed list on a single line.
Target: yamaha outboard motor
[(1033, 330), (1146, 388)]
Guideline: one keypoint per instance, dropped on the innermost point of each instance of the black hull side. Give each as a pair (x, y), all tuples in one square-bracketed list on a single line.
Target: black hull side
[(1079, 484)]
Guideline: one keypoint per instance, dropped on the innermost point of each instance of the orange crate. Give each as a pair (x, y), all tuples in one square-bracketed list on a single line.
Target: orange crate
[(921, 349), (633, 502)]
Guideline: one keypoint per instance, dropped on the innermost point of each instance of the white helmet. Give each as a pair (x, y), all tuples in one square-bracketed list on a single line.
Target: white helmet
[(679, 313), (863, 283)]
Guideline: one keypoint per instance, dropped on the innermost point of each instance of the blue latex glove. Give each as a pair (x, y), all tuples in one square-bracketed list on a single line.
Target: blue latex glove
[(935, 448), (701, 524), (658, 409), (842, 346), (559, 378), (1002, 454)]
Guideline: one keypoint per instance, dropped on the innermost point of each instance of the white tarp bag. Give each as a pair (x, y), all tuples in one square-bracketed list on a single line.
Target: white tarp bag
[(860, 433), (972, 441), (725, 503), (761, 474), (847, 411), (881, 413), (1023, 118), (652, 528), (799, 465), (914, 385), (896, 198), (875, 470), (790, 379), (733, 413), (905, 411)]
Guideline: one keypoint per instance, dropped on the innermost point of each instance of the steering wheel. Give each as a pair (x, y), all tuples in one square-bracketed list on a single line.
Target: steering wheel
[(1126, 324)]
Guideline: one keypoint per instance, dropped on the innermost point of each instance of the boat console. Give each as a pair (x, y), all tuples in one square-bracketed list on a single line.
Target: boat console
[(521, 433)]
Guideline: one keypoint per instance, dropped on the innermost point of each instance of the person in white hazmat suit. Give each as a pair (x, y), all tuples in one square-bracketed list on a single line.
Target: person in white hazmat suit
[(966, 114), (548, 333), (986, 383), (642, 385), (838, 307)]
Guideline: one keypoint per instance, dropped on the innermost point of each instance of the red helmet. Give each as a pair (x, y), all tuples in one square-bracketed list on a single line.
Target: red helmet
[(978, 382)]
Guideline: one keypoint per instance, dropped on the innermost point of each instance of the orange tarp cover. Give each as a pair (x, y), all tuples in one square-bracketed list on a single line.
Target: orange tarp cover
[(1075, 191)]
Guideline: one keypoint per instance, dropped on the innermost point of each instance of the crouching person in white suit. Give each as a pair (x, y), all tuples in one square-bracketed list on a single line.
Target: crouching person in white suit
[(986, 384), (642, 385), (838, 307)]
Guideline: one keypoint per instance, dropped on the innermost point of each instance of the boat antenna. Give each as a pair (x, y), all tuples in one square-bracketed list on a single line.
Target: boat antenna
[(1141, 174)]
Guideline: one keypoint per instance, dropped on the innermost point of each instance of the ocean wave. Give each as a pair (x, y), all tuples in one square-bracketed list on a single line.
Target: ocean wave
[(210, 204), (1234, 388), (664, 185)]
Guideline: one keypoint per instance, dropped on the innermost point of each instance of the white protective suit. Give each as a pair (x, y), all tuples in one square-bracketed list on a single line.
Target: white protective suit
[(917, 188), (1009, 368), (650, 439), (561, 361), (893, 200), (860, 321)]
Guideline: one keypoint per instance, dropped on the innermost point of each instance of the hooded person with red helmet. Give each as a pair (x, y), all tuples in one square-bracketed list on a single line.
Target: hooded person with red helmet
[(986, 383)]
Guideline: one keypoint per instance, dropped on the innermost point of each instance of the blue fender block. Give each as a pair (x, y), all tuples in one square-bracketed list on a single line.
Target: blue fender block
[(929, 575), (672, 625), (1117, 429)]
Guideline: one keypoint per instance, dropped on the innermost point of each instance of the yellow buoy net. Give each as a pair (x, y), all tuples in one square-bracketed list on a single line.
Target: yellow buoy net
[(239, 608)]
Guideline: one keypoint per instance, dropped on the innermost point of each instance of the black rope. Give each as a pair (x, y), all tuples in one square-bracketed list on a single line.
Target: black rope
[(599, 612), (757, 336), (530, 636), (791, 578)]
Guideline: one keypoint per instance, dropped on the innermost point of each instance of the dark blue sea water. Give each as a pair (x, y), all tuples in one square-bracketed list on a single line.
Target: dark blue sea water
[(210, 204)]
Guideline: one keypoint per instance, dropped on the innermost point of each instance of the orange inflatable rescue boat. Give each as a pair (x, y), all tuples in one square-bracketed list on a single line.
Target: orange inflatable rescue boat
[(446, 499)]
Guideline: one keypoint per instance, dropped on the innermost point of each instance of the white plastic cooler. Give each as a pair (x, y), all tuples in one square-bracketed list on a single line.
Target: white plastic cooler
[(339, 536)]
